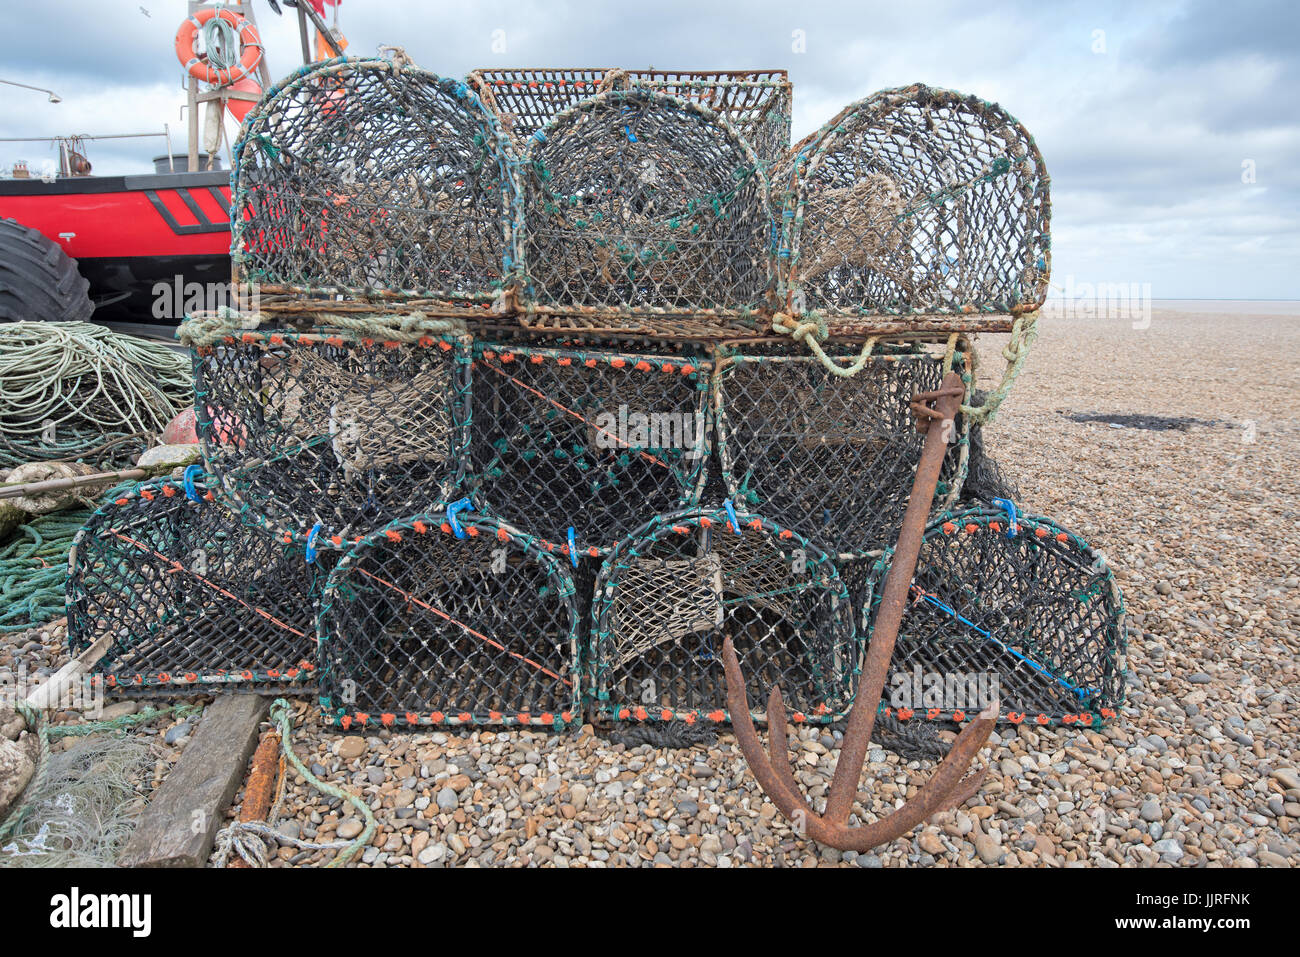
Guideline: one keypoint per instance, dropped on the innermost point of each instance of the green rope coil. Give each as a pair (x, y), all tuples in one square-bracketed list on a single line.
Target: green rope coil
[(33, 569)]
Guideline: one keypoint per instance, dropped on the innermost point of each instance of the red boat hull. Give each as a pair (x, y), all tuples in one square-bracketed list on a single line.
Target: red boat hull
[(129, 233)]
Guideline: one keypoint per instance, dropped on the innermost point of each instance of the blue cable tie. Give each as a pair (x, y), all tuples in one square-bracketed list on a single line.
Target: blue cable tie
[(188, 481), (453, 510), (311, 543), (731, 514), (1010, 508), (573, 547)]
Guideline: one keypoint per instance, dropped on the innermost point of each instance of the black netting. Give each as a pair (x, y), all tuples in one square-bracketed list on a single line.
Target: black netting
[(916, 200), (638, 201), (357, 177), (986, 480), (595, 440), (191, 599), (831, 457), (756, 102), (668, 596), (419, 626), (330, 427), (1035, 619)]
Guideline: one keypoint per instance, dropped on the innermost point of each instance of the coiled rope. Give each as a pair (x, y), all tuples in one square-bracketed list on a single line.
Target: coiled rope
[(34, 566), (221, 43), (252, 839), (65, 386), (33, 569)]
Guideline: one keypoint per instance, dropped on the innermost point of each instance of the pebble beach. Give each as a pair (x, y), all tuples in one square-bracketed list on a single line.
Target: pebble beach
[(1169, 447)]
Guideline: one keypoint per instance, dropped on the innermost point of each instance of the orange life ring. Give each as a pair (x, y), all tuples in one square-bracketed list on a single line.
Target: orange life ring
[(250, 45)]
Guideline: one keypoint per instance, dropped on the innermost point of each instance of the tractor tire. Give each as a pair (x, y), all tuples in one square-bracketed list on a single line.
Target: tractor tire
[(38, 280)]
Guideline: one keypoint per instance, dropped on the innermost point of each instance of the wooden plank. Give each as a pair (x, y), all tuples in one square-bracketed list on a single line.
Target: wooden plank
[(49, 695), (179, 826)]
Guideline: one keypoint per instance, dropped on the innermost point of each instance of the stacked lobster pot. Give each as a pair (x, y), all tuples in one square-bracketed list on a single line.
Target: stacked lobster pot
[(561, 392)]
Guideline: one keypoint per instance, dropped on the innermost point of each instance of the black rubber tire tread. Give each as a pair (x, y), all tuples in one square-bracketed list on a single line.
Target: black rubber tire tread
[(38, 280)]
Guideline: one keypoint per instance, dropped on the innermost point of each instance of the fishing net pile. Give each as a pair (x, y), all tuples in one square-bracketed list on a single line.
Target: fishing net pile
[(80, 787), (558, 380)]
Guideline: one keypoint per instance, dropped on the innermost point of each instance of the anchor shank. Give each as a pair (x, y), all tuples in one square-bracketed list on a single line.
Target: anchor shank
[(893, 600)]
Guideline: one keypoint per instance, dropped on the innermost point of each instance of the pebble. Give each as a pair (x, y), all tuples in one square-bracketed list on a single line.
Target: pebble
[(351, 747), (433, 854), (988, 850), (1287, 777), (1169, 849), (930, 843)]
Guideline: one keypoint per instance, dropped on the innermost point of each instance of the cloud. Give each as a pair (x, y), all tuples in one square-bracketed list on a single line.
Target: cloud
[(1145, 114)]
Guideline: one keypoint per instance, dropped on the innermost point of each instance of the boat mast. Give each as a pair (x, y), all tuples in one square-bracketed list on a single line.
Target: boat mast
[(219, 94)]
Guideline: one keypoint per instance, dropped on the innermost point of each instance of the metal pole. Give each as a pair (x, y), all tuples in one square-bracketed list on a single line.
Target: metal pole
[(263, 71), (302, 33), (192, 153), (306, 10)]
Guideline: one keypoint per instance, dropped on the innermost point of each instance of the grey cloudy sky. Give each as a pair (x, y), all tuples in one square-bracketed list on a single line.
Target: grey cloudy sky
[(1145, 125)]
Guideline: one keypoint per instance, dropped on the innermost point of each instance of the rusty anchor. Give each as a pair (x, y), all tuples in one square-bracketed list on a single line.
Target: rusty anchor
[(950, 785)]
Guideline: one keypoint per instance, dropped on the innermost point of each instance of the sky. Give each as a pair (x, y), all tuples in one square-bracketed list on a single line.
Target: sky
[(1171, 130)]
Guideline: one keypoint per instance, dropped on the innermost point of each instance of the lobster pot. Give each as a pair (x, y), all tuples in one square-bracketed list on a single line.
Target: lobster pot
[(637, 201), (331, 428), (1035, 619), (668, 596), (756, 102), (832, 457), (596, 441), (367, 178), (190, 599), (916, 200), (421, 627)]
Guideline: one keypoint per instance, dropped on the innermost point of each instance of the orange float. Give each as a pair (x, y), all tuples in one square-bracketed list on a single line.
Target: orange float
[(239, 108), (250, 44)]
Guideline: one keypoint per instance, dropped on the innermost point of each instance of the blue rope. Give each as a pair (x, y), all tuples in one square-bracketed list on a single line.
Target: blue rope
[(1081, 693), (573, 547)]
